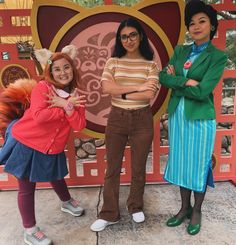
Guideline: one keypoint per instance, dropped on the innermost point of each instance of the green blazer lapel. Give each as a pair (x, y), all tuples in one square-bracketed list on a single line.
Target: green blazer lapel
[(202, 57)]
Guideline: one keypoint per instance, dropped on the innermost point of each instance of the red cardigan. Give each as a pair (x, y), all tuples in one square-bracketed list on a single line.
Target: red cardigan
[(46, 129)]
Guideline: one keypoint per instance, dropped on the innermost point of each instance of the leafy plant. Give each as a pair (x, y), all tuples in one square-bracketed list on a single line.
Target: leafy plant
[(125, 2), (88, 3)]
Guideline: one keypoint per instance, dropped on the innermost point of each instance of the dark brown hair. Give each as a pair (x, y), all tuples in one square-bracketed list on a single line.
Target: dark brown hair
[(144, 46), (196, 6)]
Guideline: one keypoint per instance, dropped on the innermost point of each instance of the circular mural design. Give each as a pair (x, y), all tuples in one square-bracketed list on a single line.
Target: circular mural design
[(11, 73), (93, 31), (95, 47)]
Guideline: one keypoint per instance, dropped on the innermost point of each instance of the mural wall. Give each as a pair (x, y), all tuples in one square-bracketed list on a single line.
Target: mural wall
[(54, 24)]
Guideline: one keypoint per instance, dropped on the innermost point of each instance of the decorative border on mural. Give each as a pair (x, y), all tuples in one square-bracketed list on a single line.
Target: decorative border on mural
[(181, 4), (39, 3)]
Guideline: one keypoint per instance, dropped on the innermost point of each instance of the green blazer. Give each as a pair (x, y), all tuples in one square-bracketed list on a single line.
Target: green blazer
[(207, 69)]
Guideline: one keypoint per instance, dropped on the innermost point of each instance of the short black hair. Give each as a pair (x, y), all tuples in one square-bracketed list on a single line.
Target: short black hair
[(144, 46), (197, 6)]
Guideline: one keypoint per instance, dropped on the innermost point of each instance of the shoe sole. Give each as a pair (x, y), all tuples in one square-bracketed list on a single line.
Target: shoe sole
[(29, 243), (68, 211), (103, 228), (138, 222)]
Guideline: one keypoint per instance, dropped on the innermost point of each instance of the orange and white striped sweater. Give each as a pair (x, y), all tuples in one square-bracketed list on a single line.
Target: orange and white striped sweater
[(125, 71)]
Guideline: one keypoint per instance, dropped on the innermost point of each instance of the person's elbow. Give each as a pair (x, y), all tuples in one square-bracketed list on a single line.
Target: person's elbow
[(106, 87), (105, 90)]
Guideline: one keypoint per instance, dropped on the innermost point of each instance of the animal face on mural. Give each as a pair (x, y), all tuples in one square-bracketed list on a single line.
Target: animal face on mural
[(95, 48), (93, 31)]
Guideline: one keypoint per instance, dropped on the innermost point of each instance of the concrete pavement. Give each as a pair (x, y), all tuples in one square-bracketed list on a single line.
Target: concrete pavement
[(161, 201)]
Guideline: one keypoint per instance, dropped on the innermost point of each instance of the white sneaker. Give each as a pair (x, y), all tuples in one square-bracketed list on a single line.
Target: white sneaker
[(138, 217), (101, 224)]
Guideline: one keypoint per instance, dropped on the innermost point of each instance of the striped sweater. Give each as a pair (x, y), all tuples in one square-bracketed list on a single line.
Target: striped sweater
[(126, 71)]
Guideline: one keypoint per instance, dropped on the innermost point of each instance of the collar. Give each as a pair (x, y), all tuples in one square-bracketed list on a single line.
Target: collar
[(186, 52), (61, 93), (197, 49)]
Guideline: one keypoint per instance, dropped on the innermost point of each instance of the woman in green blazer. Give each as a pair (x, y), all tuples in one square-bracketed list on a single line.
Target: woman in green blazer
[(192, 74)]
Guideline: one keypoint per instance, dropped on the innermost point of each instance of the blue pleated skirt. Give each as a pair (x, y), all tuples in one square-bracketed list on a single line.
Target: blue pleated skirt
[(25, 162), (191, 146)]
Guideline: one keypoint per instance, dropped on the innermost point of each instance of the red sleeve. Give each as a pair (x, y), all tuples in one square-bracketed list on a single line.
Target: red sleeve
[(77, 120)]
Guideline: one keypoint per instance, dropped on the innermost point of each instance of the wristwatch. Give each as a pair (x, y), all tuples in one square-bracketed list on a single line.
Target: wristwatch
[(123, 96)]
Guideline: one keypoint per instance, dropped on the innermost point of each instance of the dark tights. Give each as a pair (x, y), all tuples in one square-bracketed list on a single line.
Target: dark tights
[(26, 202), (185, 199)]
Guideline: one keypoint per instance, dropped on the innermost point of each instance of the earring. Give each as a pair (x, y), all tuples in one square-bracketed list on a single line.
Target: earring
[(212, 28)]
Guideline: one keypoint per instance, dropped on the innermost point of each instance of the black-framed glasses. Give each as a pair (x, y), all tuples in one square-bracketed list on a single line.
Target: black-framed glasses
[(132, 37)]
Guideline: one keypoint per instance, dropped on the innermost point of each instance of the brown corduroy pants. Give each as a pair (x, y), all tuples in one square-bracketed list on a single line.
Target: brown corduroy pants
[(135, 127)]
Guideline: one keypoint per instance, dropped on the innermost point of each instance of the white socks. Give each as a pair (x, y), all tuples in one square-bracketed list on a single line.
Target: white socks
[(31, 230)]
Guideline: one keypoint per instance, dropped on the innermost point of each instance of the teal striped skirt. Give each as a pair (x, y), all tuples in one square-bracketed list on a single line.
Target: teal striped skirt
[(191, 145)]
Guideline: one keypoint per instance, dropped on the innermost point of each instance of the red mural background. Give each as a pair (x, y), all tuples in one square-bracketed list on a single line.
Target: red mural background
[(93, 31)]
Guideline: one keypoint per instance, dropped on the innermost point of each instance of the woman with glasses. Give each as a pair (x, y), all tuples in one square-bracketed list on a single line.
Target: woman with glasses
[(34, 144), (193, 72), (131, 78)]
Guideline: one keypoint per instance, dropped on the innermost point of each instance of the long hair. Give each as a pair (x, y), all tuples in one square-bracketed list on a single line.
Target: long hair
[(48, 71), (144, 46)]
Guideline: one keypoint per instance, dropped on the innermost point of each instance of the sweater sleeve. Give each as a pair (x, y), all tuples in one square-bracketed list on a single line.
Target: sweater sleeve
[(77, 120), (39, 106), (109, 70), (153, 73)]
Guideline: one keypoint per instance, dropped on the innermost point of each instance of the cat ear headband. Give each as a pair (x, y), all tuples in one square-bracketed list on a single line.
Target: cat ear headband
[(44, 55)]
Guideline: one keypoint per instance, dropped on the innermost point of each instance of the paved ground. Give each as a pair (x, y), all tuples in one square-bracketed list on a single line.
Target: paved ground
[(218, 222)]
